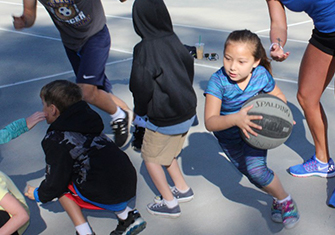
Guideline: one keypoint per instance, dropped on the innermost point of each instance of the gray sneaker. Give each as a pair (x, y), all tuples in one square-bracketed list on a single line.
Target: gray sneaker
[(181, 197), (163, 210)]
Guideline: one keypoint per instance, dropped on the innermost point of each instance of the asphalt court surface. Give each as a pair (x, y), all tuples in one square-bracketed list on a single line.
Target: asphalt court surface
[(225, 202)]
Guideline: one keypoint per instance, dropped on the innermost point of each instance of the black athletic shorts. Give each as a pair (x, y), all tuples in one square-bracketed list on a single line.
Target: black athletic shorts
[(323, 41)]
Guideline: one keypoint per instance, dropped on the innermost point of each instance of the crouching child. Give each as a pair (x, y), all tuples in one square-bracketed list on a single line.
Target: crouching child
[(84, 168)]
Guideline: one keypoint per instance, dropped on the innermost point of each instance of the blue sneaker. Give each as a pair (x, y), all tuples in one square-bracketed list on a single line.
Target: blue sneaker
[(312, 167), (290, 214), (331, 202)]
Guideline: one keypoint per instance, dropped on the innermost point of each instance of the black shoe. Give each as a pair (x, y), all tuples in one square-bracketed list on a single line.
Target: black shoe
[(138, 138), (121, 129), (134, 224), (87, 234)]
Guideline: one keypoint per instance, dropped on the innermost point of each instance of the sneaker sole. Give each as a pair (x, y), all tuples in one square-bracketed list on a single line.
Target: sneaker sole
[(277, 219), (139, 227), (322, 175), (185, 199), (167, 215), (130, 121), (180, 200), (292, 225)]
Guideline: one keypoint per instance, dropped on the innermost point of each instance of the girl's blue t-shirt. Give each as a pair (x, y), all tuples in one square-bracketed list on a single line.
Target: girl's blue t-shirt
[(321, 11), (233, 97)]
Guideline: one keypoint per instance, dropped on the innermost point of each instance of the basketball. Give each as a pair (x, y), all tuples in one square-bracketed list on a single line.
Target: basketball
[(277, 122)]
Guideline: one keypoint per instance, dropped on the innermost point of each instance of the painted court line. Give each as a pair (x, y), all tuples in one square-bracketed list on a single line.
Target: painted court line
[(127, 52), (56, 75)]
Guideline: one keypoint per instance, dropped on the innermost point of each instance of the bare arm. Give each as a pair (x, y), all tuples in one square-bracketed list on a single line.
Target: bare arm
[(278, 30), (19, 214), (27, 19), (278, 93), (216, 122)]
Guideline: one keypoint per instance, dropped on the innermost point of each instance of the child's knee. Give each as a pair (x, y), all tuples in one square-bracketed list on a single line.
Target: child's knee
[(261, 176)]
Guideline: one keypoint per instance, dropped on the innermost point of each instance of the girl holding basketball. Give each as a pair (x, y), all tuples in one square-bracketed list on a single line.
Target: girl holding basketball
[(246, 72)]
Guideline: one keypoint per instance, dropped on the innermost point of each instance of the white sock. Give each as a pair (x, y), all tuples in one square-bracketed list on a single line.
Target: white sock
[(172, 203), (123, 214), (321, 161), (285, 199), (118, 114), (183, 191), (84, 229), (139, 121)]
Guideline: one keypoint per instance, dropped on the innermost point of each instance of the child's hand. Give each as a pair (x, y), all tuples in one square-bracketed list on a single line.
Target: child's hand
[(34, 119), (29, 192), (244, 121)]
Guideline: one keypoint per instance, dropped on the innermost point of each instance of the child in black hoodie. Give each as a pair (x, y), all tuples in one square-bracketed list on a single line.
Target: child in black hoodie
[(84, 168), (161, 82)]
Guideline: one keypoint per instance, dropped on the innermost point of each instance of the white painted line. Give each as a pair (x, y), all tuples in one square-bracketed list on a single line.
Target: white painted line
[(289, 25), (55, 75), (19, 4), (29, 34)]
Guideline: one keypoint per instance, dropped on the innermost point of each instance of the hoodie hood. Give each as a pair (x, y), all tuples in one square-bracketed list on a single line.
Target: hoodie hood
[(79, 117), (151, 19)]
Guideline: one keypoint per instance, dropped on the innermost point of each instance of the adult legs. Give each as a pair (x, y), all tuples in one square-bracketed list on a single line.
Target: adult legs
[(314, 77), (99, 98)]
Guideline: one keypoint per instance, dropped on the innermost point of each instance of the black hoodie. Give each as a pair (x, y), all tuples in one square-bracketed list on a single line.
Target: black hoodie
[(162, 71), (76, 151)]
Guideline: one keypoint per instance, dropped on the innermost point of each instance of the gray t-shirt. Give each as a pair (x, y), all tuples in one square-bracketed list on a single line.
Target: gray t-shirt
[(76, 20)]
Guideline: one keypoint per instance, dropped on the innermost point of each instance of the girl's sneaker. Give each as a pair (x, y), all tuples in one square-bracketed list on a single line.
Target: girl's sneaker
[(276, 212), (290, 214)]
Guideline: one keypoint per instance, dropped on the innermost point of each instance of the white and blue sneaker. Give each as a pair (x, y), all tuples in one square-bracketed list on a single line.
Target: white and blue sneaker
[(181, 197), (312, 167), (163, 210)]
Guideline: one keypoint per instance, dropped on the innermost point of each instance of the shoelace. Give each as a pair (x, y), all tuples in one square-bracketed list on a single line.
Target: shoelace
[(174, 191), (158, 205)]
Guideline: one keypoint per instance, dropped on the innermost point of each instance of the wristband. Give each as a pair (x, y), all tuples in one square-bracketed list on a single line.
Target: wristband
[(36, 195), (275, 43)]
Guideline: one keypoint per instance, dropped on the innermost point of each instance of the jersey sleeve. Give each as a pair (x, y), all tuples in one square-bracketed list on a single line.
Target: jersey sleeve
[(13, 130), (269, 82), (214, 86)]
